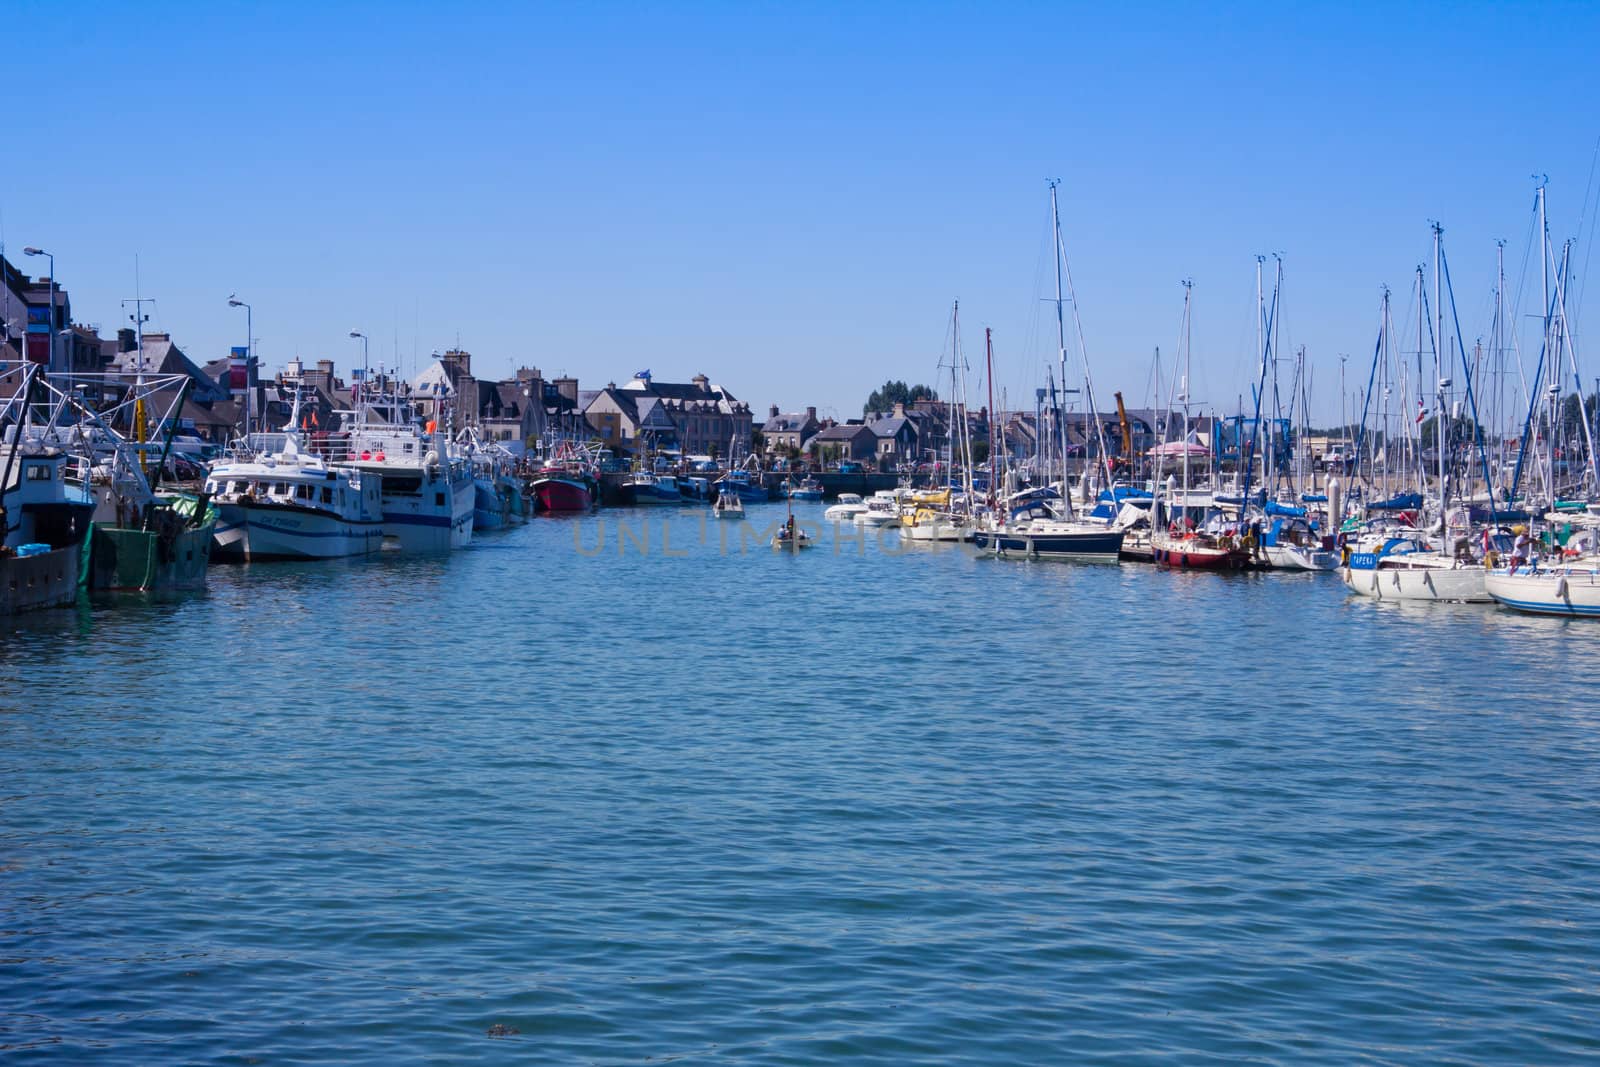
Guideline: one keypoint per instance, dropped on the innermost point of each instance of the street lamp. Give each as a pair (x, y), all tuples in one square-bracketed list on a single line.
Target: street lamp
[(364, 382), (249, 354), (31, 251)]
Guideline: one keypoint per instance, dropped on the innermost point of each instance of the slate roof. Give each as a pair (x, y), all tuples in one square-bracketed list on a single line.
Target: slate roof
[(846, 431), (788, 422), (892, 426)]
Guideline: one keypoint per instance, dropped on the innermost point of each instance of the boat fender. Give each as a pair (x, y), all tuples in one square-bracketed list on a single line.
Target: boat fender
[(1344, 555), (1491, 559), (1561, 588), (431, 459)]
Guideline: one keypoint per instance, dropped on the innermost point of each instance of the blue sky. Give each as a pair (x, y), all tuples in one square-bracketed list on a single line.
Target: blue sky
[(786, 197)]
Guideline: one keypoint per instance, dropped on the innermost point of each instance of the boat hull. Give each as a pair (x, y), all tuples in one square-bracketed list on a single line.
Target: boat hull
[(562, 495), (257, 532), (48, 580), (1198, 557), (1099, 546), (655, 496), (121, 560), (1368, 577), (1571, 591), (421, 525), (1300, 558)]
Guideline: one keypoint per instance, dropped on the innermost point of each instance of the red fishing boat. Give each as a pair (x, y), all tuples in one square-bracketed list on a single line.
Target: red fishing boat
[(559, 489)]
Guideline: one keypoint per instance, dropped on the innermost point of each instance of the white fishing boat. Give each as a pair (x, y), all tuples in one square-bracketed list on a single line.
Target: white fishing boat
[(427, 490), (728, 506), (276, 501)]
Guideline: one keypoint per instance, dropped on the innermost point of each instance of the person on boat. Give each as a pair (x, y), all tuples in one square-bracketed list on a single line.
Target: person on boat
[(1519, 548)]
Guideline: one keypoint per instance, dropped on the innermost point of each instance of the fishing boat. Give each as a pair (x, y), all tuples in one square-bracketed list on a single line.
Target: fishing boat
[(278, 501), (43, 528), (139, 540), (290, 504), (561, 488), (427, 488), (42, 523), (695, 489), (745, 483), (167, 546), (653, 489), (808, 488), (498, 500), (727, 506)]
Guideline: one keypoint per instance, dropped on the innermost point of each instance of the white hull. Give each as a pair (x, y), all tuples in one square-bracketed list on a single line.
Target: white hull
[(419, 524), (1300, 558), (948, 530), (1445, 582), (1562, 590), (266, 532)]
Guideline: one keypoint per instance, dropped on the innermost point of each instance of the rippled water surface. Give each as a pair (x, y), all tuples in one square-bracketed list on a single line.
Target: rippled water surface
[(862, 805)]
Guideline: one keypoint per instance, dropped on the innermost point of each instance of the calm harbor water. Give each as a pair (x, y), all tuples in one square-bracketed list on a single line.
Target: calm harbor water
[(862, 805)]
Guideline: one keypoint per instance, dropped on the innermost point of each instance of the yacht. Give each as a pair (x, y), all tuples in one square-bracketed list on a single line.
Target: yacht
[(849, 506)]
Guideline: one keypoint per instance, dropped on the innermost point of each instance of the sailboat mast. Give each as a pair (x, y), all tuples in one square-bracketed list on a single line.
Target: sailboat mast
[(988, 346), (1061, 341), (1439, 435), (1188, 290)]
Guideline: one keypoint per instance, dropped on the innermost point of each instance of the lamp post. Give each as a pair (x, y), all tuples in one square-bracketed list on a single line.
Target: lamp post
[(249, 355), (31, 251), (365, 385)]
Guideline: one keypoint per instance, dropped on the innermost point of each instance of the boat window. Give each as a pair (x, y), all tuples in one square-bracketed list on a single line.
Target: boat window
[(36, 472), (303, 492), (327, 495)]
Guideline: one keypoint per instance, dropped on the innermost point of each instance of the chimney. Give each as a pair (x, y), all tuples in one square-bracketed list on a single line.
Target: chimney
[(127, 340), (702, 382), (899, 410), (774, 412), (811, 413), (325, 366)]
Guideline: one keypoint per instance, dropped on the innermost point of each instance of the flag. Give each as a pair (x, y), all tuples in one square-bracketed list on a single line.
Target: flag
[(1421, 413), (645, 374)]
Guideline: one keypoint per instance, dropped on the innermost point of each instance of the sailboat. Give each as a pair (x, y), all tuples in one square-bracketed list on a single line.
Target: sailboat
[(790, 536), (1195, 537), (1040, 531)]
